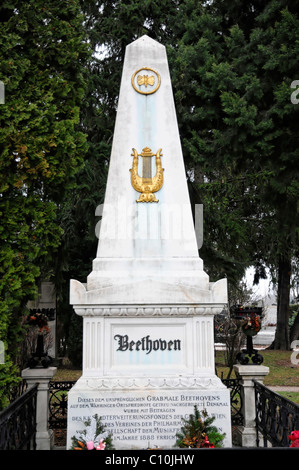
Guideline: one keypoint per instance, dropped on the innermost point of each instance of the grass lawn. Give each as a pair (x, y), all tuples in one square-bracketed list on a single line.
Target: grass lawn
[(282, 371), (67, 373), (293, 396)]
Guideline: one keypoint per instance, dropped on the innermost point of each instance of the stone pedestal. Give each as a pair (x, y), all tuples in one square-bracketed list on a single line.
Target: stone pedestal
[(246, 434), (148, 306), (143, 374), (41, 377)]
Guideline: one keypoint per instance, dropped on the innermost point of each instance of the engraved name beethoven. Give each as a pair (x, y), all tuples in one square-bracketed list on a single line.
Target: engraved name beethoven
[(146, 344)]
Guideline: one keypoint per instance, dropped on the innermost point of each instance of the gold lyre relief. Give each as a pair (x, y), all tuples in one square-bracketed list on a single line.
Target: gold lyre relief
[(146, 184)]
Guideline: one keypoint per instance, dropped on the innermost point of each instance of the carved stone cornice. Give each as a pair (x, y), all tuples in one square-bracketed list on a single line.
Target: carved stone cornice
[(148, 311), (154, 383)]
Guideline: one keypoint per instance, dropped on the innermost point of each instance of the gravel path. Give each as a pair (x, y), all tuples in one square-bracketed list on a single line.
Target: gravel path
[(278, 388)]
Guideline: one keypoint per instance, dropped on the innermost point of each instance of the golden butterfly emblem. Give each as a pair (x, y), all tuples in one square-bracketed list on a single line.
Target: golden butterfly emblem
[(145, 80)]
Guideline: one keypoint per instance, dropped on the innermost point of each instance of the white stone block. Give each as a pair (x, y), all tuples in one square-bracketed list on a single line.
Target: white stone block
[(146, 417)]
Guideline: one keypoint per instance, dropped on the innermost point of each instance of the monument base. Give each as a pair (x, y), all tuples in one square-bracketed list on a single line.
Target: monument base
[(143, 413), (150, 374)]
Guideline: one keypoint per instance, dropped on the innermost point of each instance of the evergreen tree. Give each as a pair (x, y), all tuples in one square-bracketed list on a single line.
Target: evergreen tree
[(43, 53), (232, 68), (110, 27)]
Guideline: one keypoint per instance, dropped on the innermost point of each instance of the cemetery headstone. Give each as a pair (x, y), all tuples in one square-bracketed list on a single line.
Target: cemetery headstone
[(148, 305)]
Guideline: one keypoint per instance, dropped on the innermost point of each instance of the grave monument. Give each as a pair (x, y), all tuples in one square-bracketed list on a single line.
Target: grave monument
[(148, 306)]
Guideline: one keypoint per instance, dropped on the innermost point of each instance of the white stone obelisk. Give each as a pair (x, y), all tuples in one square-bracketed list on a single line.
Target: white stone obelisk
[(148, 305)]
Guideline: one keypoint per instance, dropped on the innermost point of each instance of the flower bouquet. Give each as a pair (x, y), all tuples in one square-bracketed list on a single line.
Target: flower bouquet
[(251, 325), (93, 437), (294, 438), (40, 320), (249, 321), (199, 432), (39, 336)]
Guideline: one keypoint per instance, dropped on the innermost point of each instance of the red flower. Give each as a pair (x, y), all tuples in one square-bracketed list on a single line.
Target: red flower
[(294, 437), (207, 443)]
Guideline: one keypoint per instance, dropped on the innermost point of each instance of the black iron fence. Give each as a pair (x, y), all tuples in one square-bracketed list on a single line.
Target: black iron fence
[(58, 403), (18, 423), (276, 417), (236, 400)]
